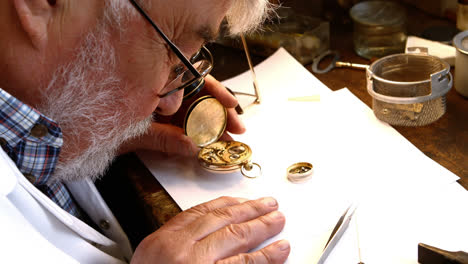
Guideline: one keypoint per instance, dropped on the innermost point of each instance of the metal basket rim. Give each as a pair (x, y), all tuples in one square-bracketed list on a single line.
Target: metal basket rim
[(372, 75)]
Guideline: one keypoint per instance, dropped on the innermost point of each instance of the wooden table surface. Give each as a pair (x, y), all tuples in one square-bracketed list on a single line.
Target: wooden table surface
[(142, 205)]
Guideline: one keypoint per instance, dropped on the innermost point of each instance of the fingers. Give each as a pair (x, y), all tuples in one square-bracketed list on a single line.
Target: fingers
[(239, 238), (234, 123), (229, 227), (169, 104), (234, 214), (225, 137), (215, 88), (169, 139), (220, 202), (275, 253), (195, 212)]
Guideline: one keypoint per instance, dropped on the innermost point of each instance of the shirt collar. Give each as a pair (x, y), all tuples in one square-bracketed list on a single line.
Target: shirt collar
[(31, 139), (17, 121)]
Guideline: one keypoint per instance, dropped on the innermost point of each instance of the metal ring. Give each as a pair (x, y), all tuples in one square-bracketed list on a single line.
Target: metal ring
[(246, 173), (318, 59), (457, 41)]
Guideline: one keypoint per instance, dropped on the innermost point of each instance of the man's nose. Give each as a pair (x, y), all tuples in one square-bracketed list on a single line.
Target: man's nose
[(170, 104)]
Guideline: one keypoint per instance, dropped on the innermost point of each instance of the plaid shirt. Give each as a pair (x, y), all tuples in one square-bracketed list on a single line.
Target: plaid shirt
[(33, 142)]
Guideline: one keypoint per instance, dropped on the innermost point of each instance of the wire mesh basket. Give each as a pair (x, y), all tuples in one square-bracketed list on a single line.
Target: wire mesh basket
[(409, 89)]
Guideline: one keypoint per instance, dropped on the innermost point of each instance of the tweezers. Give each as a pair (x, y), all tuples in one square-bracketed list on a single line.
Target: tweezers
[(337, 232)]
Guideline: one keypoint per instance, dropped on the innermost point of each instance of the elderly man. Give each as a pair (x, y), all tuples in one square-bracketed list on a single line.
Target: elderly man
[(79, 82)]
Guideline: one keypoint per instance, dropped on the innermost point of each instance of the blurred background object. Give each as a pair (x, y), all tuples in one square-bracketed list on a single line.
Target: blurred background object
[(304, 27), (305, 37), (379, 28), (440, 33), (440, 8), (435, 48), (461, 63), (462, 15)]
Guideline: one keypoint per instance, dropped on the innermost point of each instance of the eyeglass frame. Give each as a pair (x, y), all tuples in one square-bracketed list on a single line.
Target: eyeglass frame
[(179, 54)]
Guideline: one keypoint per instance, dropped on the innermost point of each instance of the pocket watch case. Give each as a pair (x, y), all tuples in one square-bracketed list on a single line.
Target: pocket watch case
[(205, 122)]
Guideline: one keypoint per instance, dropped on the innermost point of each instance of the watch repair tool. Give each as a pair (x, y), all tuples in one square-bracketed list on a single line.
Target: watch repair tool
[(205, 123), (254, 76), (334, 63), (337, 232), (432, 255), (299, 172), (357, 239)]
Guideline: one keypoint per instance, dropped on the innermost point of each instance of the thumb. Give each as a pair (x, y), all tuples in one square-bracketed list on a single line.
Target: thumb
[(168, 138)]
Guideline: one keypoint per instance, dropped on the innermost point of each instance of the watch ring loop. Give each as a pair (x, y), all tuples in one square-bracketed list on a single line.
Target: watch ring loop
[(247, 172)]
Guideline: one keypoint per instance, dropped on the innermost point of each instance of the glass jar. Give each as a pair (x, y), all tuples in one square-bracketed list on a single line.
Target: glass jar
[(379, 28), (462, 15), (461, 63)]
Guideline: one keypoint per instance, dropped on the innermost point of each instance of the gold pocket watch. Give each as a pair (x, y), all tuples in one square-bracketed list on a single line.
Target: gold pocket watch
[(205, 123)]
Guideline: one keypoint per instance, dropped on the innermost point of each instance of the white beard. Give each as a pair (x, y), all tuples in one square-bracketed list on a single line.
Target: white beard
[(86, 98)]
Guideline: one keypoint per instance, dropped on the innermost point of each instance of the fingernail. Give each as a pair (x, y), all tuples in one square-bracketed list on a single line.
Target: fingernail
[(231, 92), (277, 215), (269, 201), (283, 245)]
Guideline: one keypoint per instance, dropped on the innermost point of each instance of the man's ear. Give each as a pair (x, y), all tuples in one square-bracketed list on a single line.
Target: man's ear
[(34, 16)]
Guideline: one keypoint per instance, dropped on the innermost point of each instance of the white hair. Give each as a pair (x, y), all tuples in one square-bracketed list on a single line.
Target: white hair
[(243, 16), (247, 15), (85, 97)]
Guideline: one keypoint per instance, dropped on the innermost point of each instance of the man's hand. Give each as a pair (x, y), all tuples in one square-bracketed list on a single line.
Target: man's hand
[(220, 231), (171, 139)]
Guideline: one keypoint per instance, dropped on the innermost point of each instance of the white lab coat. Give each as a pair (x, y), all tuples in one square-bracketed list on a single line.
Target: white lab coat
[(33, 229)]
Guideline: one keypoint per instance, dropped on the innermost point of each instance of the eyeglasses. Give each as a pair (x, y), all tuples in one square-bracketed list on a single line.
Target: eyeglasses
[(190, 74)]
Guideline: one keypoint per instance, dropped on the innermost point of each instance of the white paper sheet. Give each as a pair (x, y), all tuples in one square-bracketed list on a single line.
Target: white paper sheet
[(391, 226), (355, 156)]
